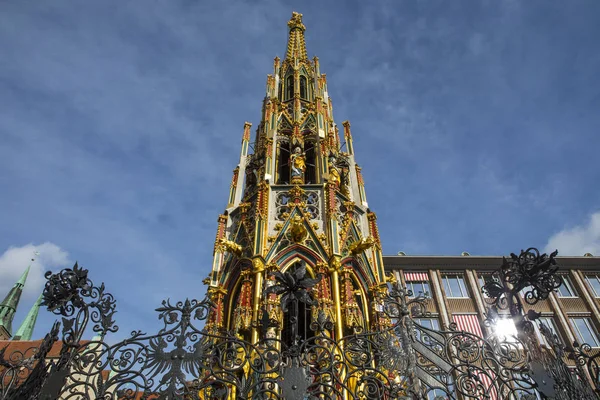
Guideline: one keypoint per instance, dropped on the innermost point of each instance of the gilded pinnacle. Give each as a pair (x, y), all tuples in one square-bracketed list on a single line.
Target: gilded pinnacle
[(296, 22), (296, 47)]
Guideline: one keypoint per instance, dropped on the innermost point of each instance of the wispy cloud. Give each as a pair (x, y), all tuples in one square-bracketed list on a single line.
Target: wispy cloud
[(41, 258), (14, 261), (577, 240), (475, 124)]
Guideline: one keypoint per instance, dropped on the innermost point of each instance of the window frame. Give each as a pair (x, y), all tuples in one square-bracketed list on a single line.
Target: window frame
[(568, 284), (303, 87), (427, 339), (448, 289), (553, 326), (410, 285), (597, 278), (289, 87), (591, 329), (429, 319), (481, 280)]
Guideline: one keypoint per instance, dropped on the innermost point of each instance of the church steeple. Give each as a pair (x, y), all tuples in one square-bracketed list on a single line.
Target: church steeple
[(25, 331), (297, 197), (9, 305)]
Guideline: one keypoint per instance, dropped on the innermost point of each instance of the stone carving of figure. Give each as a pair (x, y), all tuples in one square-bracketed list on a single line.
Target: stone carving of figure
[(298, 163)]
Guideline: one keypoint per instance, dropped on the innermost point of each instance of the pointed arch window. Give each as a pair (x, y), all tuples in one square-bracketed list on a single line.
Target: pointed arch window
[(303, 87), (304, 314), (283, 166), (310, 175), (289, 86)]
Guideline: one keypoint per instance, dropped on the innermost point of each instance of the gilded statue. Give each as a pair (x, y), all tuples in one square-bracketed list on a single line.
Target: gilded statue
[(361, 245), (298, 164), (334, 174), (298, 231), (231, 247)]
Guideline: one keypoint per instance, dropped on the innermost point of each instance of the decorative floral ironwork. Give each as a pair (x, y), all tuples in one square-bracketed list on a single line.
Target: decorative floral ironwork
[(530, 270), (183, 361)]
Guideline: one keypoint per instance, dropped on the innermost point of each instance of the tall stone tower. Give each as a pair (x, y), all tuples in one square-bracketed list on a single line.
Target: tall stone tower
[(297, 197)]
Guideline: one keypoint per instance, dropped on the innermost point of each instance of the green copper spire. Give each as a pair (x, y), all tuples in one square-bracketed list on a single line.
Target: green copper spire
[(23, 277), (8, 307), (25, 331)]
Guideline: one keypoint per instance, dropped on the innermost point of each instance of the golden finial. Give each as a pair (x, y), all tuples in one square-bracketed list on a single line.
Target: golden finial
[(296, 21)]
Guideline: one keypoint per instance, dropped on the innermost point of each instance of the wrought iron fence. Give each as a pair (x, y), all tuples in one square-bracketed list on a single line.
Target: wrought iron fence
[(183, 360)]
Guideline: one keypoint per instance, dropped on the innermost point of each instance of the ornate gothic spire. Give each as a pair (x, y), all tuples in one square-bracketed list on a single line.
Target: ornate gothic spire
[(25, 331), (296, 201), (8, 307), (296, 47)]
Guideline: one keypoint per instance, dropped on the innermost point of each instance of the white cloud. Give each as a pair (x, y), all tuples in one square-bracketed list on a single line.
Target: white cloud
[(14, 261), (578, 240)]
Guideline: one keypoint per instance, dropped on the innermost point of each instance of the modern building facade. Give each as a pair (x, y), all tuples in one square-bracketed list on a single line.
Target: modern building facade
[(454, 285)]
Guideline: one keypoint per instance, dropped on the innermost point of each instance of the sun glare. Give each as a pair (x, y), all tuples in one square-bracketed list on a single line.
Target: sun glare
[(505, 329)]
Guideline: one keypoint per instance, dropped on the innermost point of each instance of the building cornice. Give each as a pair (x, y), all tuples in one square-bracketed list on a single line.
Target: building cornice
[(478, 262)]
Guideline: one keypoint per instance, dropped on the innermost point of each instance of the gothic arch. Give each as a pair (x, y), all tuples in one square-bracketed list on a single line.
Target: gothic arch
[(287, 255), (365, 279), (233, 287), (289, 86), (283, 155), (303, 87)]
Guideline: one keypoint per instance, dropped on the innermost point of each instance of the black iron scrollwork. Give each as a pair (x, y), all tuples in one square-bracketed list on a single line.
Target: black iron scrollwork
[(185, 361), (530, 270)]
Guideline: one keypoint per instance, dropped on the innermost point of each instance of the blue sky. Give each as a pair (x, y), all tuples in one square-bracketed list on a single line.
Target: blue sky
[(476, 124)]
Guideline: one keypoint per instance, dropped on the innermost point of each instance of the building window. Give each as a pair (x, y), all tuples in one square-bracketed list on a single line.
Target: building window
[(429, 323), (523, 292), (303, 85), (289, 84), (310, 174), (483, 279), (422, 335), (551, 325), (566, 289), (283, 176), (594, 281), (454, 285), (443, 389), (585, 331), (419, 288)]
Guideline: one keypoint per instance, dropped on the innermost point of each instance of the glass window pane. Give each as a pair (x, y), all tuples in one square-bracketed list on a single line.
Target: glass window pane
[(585, 332), (524, 291), (454, 286), (418, 288), (594, 283), (566, 289), (550, 324), (463, 287)]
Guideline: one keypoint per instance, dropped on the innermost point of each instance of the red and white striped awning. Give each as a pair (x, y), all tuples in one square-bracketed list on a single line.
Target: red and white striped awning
[(416, 276), (468, 323), (488, 385)]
